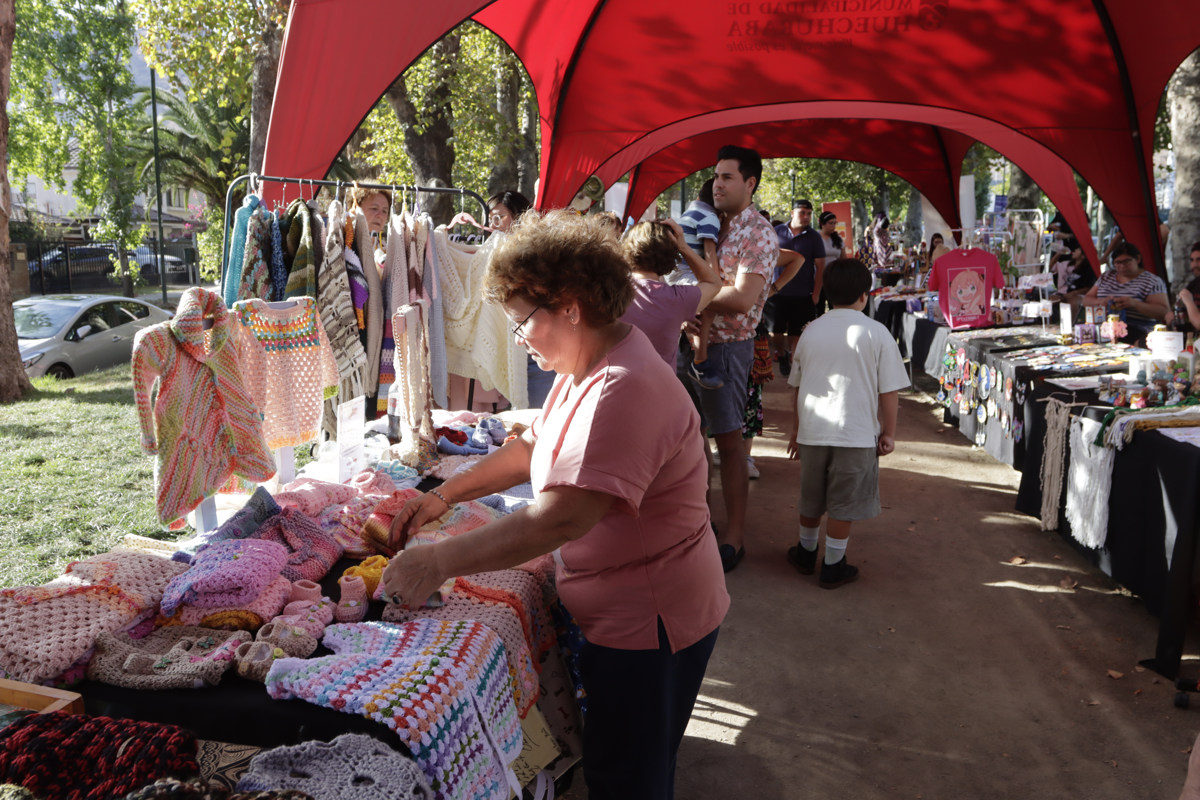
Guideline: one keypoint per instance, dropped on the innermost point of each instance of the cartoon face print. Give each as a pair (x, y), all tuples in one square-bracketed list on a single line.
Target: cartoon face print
[(967, 293)]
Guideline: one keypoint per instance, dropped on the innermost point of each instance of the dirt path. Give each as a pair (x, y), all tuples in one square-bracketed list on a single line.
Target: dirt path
[(946, 671)]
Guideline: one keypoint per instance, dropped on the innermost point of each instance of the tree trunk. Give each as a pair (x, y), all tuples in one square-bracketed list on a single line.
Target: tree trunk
[(1183, 102), (912, 219), (13, 381), (527, 159), (862, 221), (504, 175), (1022, 191), (262, 93), (429, 145)]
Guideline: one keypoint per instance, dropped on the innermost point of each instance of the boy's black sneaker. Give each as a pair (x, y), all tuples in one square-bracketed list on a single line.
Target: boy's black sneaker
[(803, 560), (834, 575)]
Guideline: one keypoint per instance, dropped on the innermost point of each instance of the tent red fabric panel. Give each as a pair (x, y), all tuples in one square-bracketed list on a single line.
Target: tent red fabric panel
[(929, 158), (1072, 81)]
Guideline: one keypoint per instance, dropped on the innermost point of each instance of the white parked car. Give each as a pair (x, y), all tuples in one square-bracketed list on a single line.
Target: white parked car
[(67, 335)]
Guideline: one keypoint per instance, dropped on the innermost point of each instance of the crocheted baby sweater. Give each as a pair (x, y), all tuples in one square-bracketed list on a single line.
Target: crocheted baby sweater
[(45, 629), (78, 757), (288, 367), (311, 551), (242, 525), (442, 686), (195, 412), (353, 766), (229, 573), (181, 657)]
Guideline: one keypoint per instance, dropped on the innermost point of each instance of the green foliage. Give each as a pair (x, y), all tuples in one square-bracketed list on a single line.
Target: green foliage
[(209, 242), (71, 104), (211, 43), (482, 136)]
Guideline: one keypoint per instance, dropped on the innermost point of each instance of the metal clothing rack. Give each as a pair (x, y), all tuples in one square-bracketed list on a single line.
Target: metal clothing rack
[(301, 183)]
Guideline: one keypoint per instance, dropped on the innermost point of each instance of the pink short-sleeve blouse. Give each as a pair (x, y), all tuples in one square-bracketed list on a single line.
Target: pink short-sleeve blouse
[(629, 430)]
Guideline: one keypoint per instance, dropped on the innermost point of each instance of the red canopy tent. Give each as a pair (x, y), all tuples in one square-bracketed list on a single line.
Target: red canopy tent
[(927, 157), (1051, 84)]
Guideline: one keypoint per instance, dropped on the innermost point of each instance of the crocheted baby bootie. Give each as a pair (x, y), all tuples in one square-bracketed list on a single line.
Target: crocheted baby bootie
[(352, 606), (370, 570), (306, 591), (254, 659), (291, 639), (495, 428), (481, 436)]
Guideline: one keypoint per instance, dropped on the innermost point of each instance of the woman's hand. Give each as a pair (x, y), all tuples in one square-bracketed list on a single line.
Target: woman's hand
[(676, 233), (416, 512), (412, 576)]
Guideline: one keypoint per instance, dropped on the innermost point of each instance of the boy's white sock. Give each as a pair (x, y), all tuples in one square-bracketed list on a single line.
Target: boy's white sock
[(835, 549), (810, 537)]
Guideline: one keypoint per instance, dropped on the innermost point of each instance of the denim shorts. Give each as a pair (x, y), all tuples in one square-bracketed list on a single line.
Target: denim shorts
[(725, 408)]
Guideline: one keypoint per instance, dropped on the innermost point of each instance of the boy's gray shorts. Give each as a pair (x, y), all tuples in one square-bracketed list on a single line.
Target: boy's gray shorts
[(840, 481)]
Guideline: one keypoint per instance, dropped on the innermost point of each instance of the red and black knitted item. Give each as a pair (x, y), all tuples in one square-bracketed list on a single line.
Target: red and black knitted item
[(79, 757)]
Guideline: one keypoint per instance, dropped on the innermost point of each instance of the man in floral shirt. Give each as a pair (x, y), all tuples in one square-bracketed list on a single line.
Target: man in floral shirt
[(746, 254)]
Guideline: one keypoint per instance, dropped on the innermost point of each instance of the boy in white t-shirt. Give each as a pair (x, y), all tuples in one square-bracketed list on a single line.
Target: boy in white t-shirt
[(848, 372)]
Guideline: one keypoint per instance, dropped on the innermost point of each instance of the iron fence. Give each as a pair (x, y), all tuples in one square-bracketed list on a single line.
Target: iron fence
[(57, 267)]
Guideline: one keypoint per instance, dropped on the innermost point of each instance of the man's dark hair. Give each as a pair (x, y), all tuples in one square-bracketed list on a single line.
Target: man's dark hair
[(749, 162), (1195, 247), (705, 195), (514, 201), (803, 204), (845, 280)]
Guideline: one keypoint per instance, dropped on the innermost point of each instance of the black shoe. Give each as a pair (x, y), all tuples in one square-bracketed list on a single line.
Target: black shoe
[(803, 560), (785, 364), (730, 558), (834, 575)]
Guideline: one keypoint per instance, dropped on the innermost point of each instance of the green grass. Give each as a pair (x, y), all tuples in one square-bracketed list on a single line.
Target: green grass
[(73, 477)]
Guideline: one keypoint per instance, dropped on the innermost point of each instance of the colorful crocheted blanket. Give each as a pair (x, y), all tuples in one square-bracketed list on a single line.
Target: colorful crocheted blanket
[(441, 686), (46, 629)]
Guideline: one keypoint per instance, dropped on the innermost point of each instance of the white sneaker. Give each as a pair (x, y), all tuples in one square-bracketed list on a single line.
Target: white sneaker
[(716, 458), (752, 469)]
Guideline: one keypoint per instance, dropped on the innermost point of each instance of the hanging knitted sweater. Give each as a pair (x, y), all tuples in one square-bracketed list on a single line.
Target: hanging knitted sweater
[(237, 246), (373, 309), (288, 367), (256, 275), (302, 276), (479, 342), (337, 309), (278, 270), (443, 687), (45, 629), (195, 412), (394, 284)]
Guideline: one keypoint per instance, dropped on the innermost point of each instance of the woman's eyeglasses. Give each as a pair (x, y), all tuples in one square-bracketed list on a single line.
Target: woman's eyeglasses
[(517, 328)]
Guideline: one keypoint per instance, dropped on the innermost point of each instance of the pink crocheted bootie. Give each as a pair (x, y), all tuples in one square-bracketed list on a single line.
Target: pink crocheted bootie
[(307, 591), (352, 606), (291, 639), (254, 659)]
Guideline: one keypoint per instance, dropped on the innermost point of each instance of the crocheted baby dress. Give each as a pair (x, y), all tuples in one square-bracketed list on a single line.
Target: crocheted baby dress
[(224, 574), (242, 525), (181, 657), (442, 686), (79, 757), (194, 410), (288, 367), (311, 551), (45, 629), (249, 616), (353, 766)]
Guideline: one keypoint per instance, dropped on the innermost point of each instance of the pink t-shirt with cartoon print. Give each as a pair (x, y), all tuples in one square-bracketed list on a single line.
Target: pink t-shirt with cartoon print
[(630, 431)]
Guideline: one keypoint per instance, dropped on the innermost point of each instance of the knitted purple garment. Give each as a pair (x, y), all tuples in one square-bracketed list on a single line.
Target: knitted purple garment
[(311, 551), (225, 574), (443, 687), (242, 525)]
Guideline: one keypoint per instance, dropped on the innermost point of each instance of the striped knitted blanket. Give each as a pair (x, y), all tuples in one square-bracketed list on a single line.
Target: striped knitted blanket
[(442, 686)]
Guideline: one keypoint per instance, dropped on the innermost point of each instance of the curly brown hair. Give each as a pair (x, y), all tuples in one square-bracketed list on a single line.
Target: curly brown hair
[(651, 246), (558, 258)]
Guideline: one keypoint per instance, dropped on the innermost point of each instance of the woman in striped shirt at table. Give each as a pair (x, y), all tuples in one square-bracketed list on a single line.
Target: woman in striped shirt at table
[(1139, 296)]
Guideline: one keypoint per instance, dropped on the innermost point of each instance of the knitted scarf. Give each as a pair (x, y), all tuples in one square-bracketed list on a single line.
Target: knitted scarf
[(195, 412), (1057, 419), (1089, 483), (278, 270), (438, 375), (373, 310), (302, 277), (411, 399), (395, 294), (256, 275), (336, 307)]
